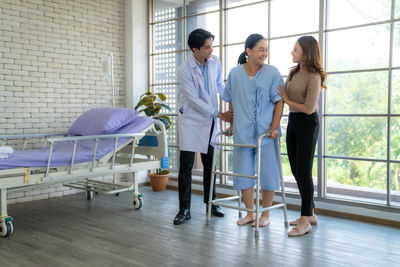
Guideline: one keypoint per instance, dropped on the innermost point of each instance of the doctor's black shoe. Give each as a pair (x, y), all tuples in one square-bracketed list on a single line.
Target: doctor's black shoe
[(182, 216), (216, 211)]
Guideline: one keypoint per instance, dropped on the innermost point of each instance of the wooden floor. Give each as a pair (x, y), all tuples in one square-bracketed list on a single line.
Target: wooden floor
[(107, 231)]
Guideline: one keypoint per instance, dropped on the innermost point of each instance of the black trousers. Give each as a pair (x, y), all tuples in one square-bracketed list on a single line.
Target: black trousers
[(185, 175), (301, 139)]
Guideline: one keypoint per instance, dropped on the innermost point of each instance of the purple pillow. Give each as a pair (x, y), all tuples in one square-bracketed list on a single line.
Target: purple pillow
[(102, 121)]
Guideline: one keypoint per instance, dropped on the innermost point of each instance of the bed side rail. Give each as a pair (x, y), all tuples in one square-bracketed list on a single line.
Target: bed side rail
[(27, 137), (75, 139)]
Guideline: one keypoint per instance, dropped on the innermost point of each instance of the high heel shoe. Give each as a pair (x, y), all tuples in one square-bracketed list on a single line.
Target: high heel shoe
[(312, 219), (299, 232)]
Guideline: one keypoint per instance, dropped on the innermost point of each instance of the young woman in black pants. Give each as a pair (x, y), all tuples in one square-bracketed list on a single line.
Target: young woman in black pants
[(301, 94)]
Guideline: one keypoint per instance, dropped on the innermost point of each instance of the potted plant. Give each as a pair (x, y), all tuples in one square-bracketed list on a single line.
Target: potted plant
[(159, 180), (152, 104)]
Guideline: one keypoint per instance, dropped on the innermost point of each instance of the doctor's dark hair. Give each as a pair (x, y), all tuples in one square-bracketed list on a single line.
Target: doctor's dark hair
[(198, 37), (251, 41)]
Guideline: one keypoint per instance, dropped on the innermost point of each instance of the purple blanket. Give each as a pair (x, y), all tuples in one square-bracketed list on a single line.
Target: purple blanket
[(62, 151)]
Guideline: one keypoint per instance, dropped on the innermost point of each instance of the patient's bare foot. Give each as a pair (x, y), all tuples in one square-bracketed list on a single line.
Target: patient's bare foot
[(262, 222), (246, 220)]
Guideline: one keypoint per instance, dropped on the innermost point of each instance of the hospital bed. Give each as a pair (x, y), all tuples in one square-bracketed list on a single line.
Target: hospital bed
[(77, 160)]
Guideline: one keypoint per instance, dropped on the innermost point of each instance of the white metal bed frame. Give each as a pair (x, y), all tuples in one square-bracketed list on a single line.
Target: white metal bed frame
[(123, 159)]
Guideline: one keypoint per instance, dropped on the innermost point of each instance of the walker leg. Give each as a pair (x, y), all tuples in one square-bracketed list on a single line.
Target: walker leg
[(257, 222), (209, 208), (258, 172), (256, 233), (211, 187), (240, 204), (284, 206), (210, 196), (284, 202), (284, 214), (278, 150)]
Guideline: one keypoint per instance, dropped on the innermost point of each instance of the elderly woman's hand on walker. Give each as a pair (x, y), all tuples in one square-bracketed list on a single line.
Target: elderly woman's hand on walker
[(273, 133)]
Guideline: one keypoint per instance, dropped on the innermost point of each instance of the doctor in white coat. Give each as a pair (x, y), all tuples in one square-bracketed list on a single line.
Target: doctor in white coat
[(200, 79)]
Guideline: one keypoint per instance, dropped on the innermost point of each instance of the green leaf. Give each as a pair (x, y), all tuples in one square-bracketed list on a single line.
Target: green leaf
[(140, 103), (152, 111), (147, 111), (165, 106), (162, 96), (150, 106), (145, 94), (148, 102)]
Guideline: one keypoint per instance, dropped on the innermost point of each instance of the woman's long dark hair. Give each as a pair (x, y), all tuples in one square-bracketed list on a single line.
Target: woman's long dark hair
[(312, 58), (251, 41)]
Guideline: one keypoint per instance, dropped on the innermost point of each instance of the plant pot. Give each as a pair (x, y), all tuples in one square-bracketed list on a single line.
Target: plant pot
[(158, 181)]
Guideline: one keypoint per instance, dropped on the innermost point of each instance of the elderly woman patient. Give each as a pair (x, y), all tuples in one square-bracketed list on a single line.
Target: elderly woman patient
[(252, 89)]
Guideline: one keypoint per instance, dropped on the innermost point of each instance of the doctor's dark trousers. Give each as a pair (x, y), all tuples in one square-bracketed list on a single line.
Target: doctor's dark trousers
[(301, 139), (185, 174)]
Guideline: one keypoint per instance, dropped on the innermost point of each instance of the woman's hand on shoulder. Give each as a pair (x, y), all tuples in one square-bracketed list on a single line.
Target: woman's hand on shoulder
[(283, 94)]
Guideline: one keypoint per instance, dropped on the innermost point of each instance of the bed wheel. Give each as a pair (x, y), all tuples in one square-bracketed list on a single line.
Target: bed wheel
[(89, 195), (137, 203), (6, 228)]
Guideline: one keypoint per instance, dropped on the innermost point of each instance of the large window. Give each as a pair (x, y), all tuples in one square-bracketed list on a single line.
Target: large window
[(358, 153), (359, 114)]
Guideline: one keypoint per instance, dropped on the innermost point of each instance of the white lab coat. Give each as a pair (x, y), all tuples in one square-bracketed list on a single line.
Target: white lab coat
[(196, 107)]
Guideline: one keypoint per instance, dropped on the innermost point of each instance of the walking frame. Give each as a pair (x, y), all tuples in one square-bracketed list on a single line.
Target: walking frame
[(257, 210)]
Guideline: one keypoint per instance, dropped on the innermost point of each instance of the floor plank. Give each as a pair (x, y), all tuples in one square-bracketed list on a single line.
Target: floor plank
[(107, 231)]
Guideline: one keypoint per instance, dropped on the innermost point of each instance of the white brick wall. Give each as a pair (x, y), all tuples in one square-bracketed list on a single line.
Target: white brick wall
[(51, 54)]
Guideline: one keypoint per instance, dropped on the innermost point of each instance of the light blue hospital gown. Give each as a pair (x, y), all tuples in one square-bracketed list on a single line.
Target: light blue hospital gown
[(253, 101)]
